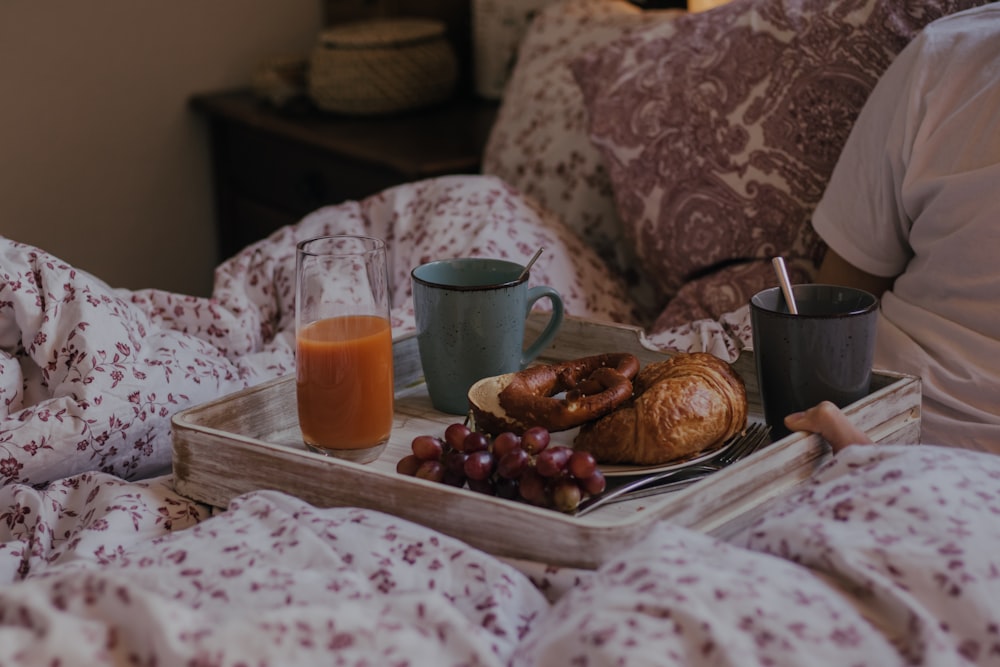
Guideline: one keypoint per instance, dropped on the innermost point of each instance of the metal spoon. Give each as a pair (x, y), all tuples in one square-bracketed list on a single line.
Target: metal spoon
[(786, 284), (527, 268)]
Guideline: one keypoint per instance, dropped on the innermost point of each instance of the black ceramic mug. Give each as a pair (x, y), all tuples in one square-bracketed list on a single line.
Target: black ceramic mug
[(824, 353)]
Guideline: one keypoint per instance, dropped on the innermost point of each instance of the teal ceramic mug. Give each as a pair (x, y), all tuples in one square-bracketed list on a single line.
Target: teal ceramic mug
[(470, 314)]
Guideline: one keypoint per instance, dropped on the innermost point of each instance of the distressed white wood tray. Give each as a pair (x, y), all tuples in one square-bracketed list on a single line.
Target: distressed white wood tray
[(250, 440)]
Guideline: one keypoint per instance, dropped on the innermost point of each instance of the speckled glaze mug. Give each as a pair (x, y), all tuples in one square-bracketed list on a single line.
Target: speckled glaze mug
[(470, 315), (824, 353)]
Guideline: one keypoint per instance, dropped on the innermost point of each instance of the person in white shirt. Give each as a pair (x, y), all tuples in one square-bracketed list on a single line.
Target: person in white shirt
[(912, 213)]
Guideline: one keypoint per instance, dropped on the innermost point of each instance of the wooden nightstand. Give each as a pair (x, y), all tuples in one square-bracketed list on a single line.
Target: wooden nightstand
[(271, 167)]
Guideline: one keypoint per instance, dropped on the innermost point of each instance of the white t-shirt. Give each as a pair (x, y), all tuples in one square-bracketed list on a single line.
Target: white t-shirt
[(916, 193)]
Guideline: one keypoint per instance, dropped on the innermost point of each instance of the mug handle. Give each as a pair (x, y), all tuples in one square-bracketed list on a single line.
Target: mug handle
[(555, 321)]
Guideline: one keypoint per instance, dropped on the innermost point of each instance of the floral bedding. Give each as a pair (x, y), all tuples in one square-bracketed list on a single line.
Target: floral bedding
[(103, 563), (888, 556)]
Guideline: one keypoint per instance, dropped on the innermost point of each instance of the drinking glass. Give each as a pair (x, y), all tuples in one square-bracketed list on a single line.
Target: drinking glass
[(343, 355)]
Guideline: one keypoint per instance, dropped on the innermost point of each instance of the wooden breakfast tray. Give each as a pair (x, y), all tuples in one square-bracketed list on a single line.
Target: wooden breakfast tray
[(250, 440)]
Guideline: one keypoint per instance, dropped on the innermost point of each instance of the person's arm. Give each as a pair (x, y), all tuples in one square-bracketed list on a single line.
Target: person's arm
[(827, 420), (835, 270)]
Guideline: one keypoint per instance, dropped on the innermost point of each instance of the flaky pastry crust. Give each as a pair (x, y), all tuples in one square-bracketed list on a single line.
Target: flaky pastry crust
[(686, 405)]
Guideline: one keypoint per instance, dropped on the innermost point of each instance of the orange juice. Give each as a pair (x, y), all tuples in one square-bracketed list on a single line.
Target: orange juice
[(343, 382)]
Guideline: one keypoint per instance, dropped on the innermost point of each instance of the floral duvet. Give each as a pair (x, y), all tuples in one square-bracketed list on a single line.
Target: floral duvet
[(888, 556)]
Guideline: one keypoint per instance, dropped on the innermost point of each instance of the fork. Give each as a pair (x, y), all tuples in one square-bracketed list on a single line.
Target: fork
[(741, 445)]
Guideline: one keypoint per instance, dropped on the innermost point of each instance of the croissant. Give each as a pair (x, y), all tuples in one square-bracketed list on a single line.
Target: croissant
[(688, 404)]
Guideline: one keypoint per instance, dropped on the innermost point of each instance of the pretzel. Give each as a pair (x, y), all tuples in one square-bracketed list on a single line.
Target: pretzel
[(593, 386)]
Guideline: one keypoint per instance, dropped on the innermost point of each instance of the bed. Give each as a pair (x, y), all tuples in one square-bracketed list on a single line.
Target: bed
[(655, 210)]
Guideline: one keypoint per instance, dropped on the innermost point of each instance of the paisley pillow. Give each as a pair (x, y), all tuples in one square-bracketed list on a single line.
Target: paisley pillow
[(720, 129), (539, 142)]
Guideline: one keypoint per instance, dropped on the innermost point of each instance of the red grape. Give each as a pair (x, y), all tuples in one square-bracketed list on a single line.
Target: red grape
[(552, 461), (566, 495), (524, 467), (454, 461), (408, 465), (594, 484), (535, 439), (531, 487), (427, 447), (512, 464), (505, 443), (476, 441), (432, 471), (455, 434), (582, 464), (479, 466)]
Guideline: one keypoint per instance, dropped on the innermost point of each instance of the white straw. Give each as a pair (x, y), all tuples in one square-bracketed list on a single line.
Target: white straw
[(786, 284)]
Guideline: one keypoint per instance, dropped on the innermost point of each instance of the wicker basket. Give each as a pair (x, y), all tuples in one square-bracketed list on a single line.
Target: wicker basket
[(382, 66)]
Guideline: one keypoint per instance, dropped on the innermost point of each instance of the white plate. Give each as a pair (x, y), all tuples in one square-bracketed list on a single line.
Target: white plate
[(610, 470)]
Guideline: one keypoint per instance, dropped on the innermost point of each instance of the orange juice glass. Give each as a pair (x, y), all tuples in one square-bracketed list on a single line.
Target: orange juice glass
[(344, 372)]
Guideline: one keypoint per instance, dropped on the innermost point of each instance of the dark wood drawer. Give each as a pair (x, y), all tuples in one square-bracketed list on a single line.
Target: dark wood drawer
[(294, 177), (272, 167)]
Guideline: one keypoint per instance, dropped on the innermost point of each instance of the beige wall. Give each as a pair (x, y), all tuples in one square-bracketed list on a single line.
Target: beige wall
[(101, 161)]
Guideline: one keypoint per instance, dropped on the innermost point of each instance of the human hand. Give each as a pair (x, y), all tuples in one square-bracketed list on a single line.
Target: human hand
[(827, 420)]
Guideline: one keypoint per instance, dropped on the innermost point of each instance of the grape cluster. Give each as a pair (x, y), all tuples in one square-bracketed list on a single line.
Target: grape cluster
[(510, 466)]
